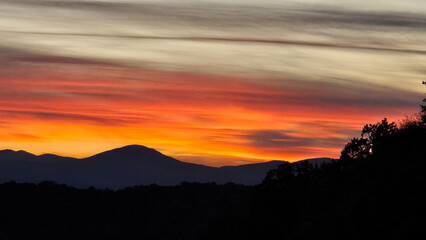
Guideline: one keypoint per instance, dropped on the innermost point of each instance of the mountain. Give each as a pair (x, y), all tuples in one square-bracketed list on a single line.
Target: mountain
[(9, 155), (317, 161), (123, 167)]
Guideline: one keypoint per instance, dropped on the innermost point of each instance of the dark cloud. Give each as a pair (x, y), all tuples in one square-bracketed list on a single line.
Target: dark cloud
[(63, 117), (338, 128), (12, 54), (283, 139), (333, 17), (368, 96), (96, 5), (238, 15)]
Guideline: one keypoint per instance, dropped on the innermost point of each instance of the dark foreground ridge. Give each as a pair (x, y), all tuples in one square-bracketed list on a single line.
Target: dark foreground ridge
[(48, 211), (124, 167)]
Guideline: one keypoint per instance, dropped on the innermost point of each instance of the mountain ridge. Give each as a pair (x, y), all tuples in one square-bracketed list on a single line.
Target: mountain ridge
[(122, 167), (142, 148)]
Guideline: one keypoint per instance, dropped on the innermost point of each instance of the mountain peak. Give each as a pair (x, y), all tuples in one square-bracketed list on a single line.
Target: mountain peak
[(130, 152), (136, 147), (11, 154), (9, 151)]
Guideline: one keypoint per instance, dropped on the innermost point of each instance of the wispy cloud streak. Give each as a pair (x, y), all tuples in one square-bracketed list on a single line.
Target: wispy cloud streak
[(232, 40)]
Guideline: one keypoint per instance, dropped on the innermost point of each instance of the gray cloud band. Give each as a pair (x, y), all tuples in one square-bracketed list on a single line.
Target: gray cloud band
[(239, 40)]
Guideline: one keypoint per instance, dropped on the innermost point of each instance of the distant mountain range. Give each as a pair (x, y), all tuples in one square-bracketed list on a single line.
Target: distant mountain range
[(123, 167)]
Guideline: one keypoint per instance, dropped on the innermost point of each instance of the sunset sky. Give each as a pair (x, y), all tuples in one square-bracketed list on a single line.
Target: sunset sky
[(213, 82)]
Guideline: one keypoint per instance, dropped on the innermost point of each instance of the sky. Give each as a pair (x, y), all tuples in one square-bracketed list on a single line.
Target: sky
[(212, 82)]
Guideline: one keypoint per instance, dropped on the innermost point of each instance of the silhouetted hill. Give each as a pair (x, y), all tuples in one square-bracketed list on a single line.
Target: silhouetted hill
[(248, 174), (132, 152), (317, 161), (123, 167), (15, 155)]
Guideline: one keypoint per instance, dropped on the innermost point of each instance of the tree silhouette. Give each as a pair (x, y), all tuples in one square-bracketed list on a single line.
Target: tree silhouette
[(423, 112), (423, 109), (373, 137), (357, 148)]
